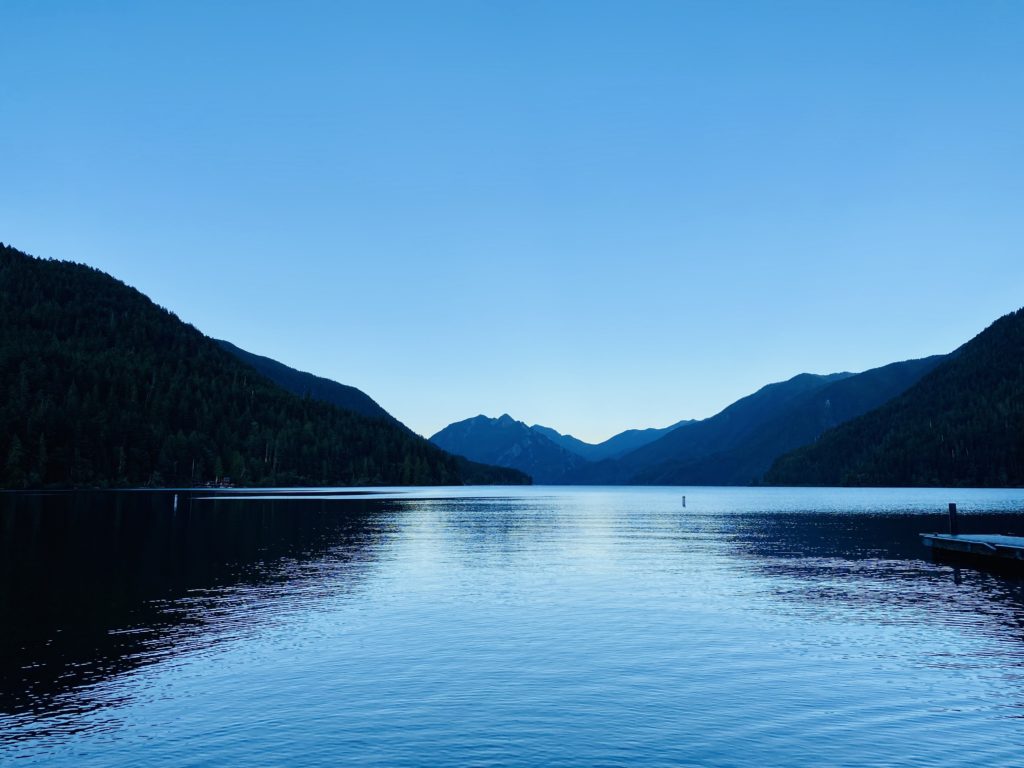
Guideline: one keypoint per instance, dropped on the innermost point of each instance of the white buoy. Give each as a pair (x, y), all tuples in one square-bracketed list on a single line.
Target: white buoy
[(175, 502)]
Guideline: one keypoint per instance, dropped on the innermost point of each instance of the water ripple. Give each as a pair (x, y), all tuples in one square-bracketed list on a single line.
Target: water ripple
[(557, 626)]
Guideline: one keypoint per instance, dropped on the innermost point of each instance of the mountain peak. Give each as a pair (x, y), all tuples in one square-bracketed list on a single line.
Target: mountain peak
[(508, 443)]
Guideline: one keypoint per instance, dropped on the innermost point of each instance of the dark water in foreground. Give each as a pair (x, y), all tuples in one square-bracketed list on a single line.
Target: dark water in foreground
[(507, 626)]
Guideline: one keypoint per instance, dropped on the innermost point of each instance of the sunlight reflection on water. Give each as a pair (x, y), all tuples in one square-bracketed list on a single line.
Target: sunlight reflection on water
[(567, 626)]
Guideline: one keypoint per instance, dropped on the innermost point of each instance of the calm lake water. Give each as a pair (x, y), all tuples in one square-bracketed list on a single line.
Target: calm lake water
[(593, 626)]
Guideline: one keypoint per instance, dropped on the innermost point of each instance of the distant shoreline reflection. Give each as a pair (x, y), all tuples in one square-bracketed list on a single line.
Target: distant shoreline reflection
[(97, 584), (449, 616)]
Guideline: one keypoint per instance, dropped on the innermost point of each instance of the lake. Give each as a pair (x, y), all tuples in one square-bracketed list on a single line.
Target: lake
[(498, 626)]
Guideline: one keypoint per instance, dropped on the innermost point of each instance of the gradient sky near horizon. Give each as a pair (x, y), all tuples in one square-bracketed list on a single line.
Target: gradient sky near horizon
[(591, 215)]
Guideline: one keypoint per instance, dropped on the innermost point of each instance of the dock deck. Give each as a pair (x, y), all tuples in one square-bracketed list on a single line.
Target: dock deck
[(1005, 549)]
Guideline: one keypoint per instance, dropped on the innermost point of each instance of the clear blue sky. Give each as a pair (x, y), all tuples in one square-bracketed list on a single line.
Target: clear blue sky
[(590, 215)]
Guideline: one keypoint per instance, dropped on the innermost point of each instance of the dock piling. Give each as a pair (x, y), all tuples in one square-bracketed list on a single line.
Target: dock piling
[(992, 549)]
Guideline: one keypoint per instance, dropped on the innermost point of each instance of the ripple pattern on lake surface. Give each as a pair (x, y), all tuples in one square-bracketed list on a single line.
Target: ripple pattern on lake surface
[(595, 626)]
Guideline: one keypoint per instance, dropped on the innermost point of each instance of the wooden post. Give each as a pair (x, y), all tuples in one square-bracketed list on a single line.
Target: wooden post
[(954, 527)]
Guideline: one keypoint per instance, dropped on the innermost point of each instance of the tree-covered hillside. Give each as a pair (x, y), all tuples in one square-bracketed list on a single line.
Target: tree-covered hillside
[(961, 425), (99, 386), (302, 384), (738, 445)]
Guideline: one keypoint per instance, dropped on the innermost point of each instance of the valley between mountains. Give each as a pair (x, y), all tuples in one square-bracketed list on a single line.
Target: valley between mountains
[(103, 388)]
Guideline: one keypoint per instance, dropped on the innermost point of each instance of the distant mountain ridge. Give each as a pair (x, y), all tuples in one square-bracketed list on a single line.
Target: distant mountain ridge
[(541, 452), (613, 447), (317, 387), (738, 445), (961, 425), (734, 447), (505, 442)]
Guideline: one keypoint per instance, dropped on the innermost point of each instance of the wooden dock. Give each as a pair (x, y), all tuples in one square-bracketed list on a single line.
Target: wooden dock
[(990, 549), (1005, 550)]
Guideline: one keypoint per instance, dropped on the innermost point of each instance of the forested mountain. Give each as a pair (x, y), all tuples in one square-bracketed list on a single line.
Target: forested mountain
[(962, 425), (328, 391), (613, 447), (734, 447), (705, 438), (307, 384), (738, 445), (506, 442), (99, 386)]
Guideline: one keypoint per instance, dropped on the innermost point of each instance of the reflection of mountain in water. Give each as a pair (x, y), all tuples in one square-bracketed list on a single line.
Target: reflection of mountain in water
[(95, 584)]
